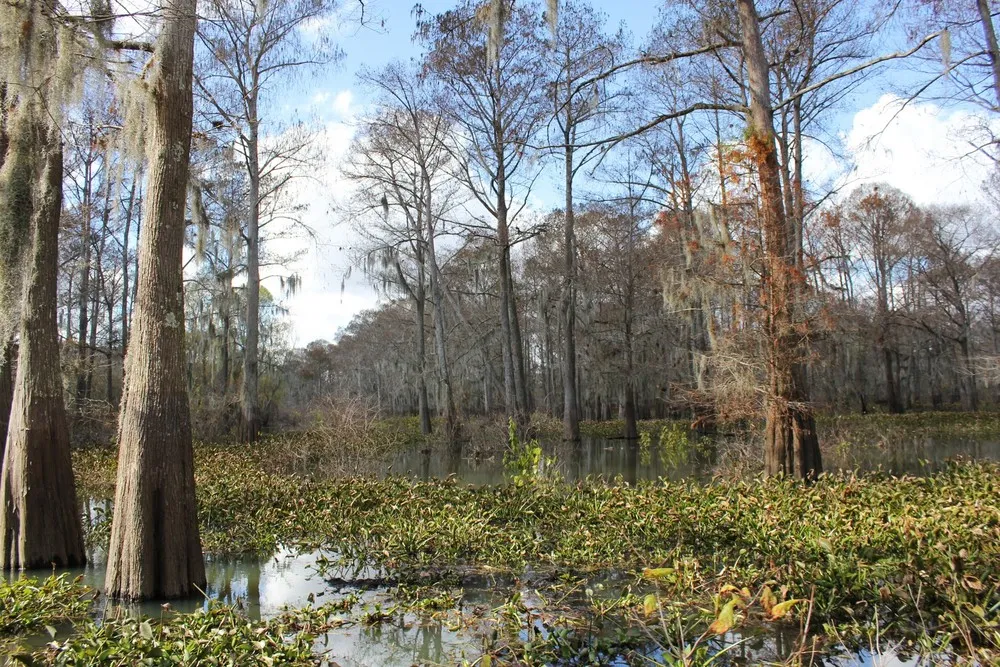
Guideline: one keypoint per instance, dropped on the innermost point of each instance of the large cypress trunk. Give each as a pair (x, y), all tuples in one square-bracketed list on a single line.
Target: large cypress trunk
[(791, 446), (39, 523), (155, 550)]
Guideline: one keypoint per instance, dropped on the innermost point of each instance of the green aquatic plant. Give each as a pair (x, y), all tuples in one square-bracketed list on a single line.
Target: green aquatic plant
[(675, 444), (920, 549), (524, 460), (645, 445), (218, 635), (28, 604)]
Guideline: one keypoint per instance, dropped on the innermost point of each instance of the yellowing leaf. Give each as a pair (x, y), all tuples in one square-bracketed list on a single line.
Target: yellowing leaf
[(727, 618), (780, 610), (649, 605), (486, 661), (658, 572), (767, 600)]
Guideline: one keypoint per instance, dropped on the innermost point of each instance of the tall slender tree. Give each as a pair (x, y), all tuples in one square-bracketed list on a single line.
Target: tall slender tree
[(791, 446), (581, 51), (491, 90), (248, 47)]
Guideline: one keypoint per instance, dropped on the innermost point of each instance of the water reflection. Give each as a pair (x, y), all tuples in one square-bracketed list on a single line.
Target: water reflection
[(624, 460), (288, 579)]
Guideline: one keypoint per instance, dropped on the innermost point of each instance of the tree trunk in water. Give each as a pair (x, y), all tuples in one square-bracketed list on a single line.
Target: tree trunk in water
[(440, 330), (517, 347), (631, 428), (970, 392), (571, 404), (40, 524), (510, 393), (155, 551), (791, 445)]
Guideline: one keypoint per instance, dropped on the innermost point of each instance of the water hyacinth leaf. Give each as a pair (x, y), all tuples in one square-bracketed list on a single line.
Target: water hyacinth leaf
[(726, 619), (768, 600), (658, 572), (649, 605), (781, 610)]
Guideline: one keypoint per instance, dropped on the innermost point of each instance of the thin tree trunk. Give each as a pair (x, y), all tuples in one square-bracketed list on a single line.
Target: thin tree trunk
[(40, 524), (891, 382), (125, 265), (511, 402), (517, 347), (791, 445), (249, 395), (423, 406), (83, 323), (155, 551), (440, 323), (571, 401)]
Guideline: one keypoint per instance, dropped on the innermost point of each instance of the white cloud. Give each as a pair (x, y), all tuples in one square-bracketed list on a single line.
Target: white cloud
[(924, 150), (342, 103), (325, 301)]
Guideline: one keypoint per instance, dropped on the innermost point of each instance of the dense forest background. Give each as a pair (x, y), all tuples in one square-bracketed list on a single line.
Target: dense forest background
[(644, 294)]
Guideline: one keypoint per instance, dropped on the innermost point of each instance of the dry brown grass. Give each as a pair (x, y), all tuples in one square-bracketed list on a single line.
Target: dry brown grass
[(342, 436)]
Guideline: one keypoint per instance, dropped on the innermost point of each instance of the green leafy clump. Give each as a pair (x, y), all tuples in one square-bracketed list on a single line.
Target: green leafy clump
[(524, 461), (219, 635), (29, 604)]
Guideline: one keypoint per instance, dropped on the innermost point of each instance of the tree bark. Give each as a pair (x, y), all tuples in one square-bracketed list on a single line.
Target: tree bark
[(40, 524), (991, 43), (423, 405), (6, 387), (249, 396), (155, 551), (791, 445), (891, 382)]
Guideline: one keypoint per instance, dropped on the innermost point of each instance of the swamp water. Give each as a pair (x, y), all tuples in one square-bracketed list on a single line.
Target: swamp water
[(263, 587), (613, 459)]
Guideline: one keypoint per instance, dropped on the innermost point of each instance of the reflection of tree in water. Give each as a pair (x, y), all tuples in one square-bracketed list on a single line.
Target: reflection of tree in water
[(407, 641)]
